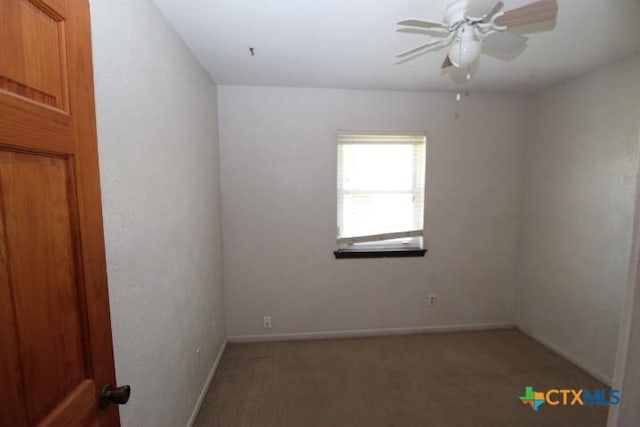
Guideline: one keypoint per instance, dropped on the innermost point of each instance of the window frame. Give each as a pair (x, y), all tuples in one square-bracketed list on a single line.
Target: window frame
[(374, 249)]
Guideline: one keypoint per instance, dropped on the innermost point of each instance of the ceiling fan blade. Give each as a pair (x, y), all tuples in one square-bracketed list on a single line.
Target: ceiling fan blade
[(539, 11), (433, 32), (505, 41), (419, 48), (479, 9), (495, 10), (447, 63), (420, 23)]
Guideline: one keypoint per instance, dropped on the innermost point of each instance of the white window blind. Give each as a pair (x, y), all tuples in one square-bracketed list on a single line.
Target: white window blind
[(381, 181)]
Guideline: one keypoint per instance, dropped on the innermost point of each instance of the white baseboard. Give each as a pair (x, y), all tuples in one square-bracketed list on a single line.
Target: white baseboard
[(205, 388), (570, 357), (355, 333)]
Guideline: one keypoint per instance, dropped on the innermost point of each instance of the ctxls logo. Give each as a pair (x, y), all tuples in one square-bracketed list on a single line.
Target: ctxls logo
[(570, 397)]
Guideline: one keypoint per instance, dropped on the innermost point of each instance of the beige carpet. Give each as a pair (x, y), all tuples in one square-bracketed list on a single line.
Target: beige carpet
[(469, 379)]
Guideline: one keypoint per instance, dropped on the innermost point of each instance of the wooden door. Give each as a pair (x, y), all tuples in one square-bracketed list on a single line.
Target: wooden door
[(55, 335)]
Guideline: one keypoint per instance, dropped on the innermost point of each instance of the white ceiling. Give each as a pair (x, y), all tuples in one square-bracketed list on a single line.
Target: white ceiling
[(352, 43)]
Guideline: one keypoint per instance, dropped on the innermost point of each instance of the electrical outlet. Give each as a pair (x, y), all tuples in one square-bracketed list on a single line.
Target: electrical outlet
[(432, 300), (267, 322)]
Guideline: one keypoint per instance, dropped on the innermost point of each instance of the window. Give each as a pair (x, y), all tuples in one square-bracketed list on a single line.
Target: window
[(380, 194)]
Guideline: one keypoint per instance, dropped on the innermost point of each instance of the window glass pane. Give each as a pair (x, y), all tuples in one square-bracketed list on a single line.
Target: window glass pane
[(378, 167)]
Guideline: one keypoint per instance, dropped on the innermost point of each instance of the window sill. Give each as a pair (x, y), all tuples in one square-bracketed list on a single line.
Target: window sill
[(380, 253)]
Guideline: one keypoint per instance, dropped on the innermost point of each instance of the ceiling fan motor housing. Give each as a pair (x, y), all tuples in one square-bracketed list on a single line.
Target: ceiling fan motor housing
[(455, 11)]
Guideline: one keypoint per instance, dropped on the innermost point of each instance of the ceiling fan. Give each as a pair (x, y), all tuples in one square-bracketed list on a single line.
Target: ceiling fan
[(470, 24)]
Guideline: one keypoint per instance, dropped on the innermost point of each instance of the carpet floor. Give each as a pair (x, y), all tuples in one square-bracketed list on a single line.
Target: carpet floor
[(470, 379)]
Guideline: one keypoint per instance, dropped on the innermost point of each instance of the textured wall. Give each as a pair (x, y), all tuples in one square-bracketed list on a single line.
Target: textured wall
[(582, 161), (157, 136), (278, 151), (627, 369)]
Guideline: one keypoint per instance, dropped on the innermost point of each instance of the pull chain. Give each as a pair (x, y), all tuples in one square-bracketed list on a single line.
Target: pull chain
[(459, 94)]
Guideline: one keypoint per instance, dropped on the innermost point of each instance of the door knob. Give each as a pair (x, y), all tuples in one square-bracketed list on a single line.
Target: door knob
[(119, 395)]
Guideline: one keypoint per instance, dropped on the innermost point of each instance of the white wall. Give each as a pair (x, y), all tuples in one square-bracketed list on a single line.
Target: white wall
[(628, 413), (582, 161), (157, 135), (627, 369), (278, 152)]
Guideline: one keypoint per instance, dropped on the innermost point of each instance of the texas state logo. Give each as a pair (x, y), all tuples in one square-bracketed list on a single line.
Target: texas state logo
[(570, 397), (532, 398)]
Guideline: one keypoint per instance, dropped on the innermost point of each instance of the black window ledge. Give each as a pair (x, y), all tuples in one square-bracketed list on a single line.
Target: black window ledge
[(380, 253)]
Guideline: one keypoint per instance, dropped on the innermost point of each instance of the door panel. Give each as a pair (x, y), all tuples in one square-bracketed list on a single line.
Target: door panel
[(56, 352), (33, 58), (40, 242)]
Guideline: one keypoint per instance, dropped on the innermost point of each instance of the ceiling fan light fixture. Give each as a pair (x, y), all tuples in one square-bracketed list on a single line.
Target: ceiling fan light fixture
[(463, 53)]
